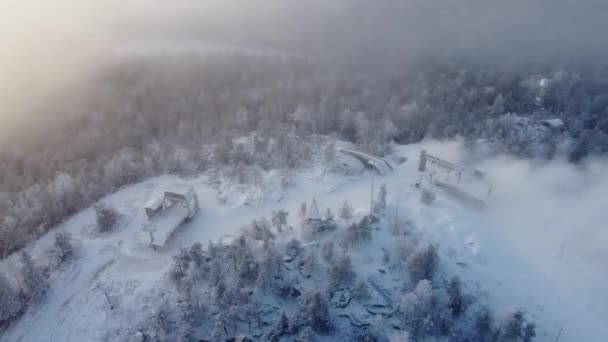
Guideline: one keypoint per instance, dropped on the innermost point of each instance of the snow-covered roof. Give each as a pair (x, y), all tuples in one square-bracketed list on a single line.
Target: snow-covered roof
[(180, 189), (154, 203)]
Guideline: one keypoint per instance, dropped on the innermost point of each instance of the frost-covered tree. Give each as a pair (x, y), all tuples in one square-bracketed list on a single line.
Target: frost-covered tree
[(313, 311), (380, 202), (10, 303), (309, 265), (359, 231), (529, 332), (513, 327), (197, 254), (279, 219), (328, 251), (346, 211), (181, 265), (34, 280), (106, 217), (454, 292), (416, 308), (307, 335), (219, 331), (483, 330), (282, 327), (260, 230), (270, 267), (302, 211), (341, 273), (329, 214), (422, 264)]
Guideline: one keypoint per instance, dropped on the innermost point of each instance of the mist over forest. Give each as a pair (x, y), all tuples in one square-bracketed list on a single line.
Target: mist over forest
[(98, 96)]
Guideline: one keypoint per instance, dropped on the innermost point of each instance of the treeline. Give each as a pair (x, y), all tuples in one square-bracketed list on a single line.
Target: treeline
[(142, 116)]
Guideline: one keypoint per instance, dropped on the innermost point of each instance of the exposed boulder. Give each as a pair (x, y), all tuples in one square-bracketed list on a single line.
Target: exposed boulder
[(341, 298)]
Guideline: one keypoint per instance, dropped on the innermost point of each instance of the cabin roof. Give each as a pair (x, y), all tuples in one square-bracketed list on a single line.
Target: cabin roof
[(154, 203), (180, 190)]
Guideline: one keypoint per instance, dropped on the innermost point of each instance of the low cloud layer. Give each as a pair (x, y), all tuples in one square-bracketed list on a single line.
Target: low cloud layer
[(545, 231), (50, 45)]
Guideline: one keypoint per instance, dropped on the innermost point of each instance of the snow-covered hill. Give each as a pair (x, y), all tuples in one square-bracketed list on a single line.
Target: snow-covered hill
[(538, 247)]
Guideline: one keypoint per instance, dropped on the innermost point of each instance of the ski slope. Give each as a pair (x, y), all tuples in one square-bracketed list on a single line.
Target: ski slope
[(508, 254)]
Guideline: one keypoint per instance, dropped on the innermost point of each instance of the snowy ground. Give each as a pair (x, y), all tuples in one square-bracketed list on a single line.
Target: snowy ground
[(537, 259)]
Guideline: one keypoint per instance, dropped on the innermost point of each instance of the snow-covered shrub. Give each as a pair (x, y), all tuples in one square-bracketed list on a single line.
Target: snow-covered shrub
[(34, 280), (62, 248), (346, 211), (422, 264), (10, 303), (313, 311), (427, 196), (106, 217)]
